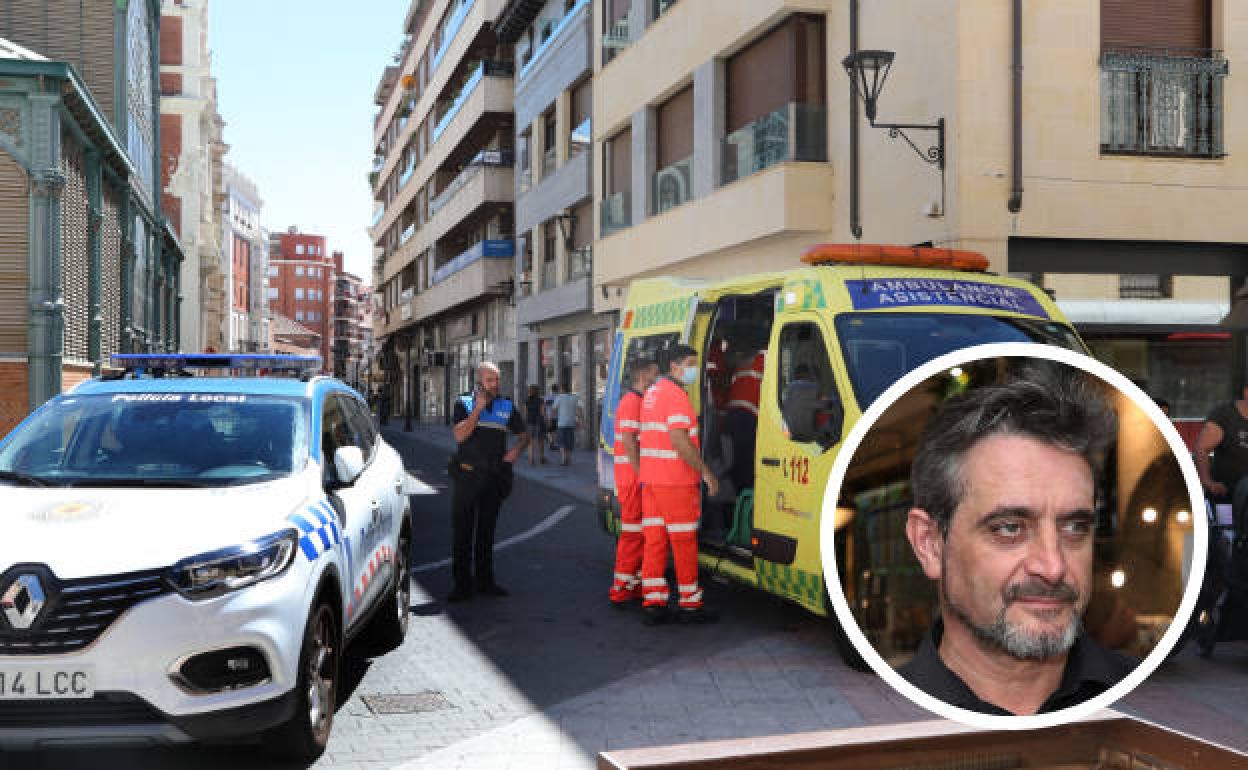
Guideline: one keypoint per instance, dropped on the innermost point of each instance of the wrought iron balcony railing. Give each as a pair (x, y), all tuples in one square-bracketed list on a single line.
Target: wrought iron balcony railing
[(1162, 102)]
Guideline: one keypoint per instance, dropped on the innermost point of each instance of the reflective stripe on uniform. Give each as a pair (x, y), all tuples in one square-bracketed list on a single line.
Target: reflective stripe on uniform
[(662, 597), (668, 454), (685, 588), (652, 522), (655, 582), (678, 418), (659, 426), (630, 527), (621, 459), (750, 374), (687, 526), (630, 424), (625, 577), (739, 404)]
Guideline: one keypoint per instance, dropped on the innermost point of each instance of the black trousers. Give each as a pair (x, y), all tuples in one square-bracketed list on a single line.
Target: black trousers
[(476, 497)]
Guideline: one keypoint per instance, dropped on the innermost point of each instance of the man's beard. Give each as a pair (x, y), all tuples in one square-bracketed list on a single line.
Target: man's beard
[(1014, 639)]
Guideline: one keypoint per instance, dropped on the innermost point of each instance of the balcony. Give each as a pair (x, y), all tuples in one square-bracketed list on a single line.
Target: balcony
[(616, 212), (487, 249), (619, 38), (486, 68), (407, 233), (795, 132), (1161, 102), (564, 22), (482, 160), (673, 185)]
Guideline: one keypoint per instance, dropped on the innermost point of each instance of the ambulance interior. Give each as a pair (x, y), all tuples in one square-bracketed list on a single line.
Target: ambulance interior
[(737, 340)]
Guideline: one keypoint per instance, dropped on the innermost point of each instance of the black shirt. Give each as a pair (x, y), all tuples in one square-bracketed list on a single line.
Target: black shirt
[(533, 411), (484, 447), (1230, 457), (1090, 670)]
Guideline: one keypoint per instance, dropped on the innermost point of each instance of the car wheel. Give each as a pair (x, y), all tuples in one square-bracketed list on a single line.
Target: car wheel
[(388, 627), (840, 639), (305, 736)]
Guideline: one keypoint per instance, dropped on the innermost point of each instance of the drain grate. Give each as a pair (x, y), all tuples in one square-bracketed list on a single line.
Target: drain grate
[(412, 703)]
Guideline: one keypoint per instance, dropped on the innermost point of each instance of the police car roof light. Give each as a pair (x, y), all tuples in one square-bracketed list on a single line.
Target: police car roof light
[(894, 256), (131, 362)]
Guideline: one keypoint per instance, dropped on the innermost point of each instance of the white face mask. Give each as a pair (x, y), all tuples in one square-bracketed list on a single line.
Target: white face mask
[(689, 375)]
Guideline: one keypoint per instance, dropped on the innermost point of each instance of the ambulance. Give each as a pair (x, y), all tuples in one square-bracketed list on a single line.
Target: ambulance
[(833, 335)]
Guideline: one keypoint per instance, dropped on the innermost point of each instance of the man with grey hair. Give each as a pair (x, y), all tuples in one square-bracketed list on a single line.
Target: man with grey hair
[(1004, 484), (481, 477)]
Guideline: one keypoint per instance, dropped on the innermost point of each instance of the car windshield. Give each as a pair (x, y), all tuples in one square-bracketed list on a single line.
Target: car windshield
[(157, 439), (880, 347)]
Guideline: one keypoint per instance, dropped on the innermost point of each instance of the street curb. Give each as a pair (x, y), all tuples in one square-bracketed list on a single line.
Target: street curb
[(584, 496)]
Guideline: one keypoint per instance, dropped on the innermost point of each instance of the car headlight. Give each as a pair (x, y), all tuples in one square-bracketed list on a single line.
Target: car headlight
[(212, 574)]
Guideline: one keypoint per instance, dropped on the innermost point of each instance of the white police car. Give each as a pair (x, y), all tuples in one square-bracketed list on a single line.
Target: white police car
[(186, 557)]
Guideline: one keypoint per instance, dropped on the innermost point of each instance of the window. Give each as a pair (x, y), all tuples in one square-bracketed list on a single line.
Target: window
[(673, 182), (524, 177), (298, 293), (548, 142), (298, 315), (548, 255), (806, 388), (273, 292), (1136, 286), (274, 272), (618, 182), (582, 106), (299, 268), (299, 248), (581, 259), (776, 99)]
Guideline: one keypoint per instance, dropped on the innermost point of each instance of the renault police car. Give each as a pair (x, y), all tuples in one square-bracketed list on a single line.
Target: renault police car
[(185, 557)]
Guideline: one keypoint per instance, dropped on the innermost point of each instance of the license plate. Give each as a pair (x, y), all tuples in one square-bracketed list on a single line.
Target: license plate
[(46, 682)]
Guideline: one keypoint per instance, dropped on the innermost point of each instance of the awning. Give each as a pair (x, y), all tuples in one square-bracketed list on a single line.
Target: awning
[(1143, 311)]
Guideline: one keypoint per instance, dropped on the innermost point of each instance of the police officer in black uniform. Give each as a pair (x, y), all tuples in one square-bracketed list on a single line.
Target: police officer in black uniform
[(480, 473)]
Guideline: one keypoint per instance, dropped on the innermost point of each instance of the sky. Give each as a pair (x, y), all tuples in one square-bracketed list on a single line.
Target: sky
[(295, 85)]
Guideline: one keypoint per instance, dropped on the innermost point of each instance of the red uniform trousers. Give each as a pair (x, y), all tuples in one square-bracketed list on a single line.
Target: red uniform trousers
[(670, 513), (628, 550)]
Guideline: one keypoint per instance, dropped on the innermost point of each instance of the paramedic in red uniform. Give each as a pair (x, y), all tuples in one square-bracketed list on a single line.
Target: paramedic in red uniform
[(741, 412), (627, 452), (671, 501)]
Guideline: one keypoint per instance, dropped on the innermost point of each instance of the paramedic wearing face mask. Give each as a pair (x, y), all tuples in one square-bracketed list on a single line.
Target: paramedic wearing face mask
[(671, 468)]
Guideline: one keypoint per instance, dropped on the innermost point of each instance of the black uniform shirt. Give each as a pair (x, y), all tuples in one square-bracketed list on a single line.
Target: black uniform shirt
[(1230, 459), (1090, 670), (485, 446)]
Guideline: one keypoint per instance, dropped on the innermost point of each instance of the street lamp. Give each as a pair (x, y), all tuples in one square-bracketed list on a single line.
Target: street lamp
[(868, 71)]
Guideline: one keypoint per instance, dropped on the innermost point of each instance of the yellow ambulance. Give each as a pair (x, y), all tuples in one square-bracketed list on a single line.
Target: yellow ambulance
[(835, 334)]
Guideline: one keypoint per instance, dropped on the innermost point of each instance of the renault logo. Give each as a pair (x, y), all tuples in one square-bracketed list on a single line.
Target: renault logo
[(23, 601)]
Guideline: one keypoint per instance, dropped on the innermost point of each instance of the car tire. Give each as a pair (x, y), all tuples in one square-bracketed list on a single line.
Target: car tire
[(387, 629), (840, 639), (305, 736)]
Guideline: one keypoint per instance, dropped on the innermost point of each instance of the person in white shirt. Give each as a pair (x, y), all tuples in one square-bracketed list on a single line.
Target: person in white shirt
[(568, 418)]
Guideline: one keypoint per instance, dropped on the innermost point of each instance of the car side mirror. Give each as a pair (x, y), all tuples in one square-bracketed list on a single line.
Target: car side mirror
[(348, 464)]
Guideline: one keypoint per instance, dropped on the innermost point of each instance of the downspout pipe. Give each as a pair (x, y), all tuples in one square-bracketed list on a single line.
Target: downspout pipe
[(1015, 203), (855, 220)]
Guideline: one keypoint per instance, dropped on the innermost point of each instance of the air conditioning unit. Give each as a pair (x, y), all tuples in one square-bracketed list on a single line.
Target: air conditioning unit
[(671, 188)]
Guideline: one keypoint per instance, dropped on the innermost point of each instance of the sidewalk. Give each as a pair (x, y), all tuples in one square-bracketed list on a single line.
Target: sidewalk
[(579, 479)]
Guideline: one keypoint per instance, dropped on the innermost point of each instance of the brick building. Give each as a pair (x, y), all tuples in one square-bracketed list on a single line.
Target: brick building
[(301, 284)]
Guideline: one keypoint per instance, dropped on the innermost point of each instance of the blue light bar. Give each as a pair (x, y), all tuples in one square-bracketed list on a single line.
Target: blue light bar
[(173, 361)]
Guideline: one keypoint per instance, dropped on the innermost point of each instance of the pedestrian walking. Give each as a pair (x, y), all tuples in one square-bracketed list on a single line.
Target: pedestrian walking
[(1225, 477), (568, 417), (670, 469), (481, 477), (628, 552), (535, 419), (552, 427)]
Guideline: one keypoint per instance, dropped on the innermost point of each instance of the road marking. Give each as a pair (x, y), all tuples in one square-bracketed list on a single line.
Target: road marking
[(542, 526)]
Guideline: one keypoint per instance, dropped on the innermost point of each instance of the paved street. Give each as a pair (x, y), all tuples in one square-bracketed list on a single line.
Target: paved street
[(551, 675)]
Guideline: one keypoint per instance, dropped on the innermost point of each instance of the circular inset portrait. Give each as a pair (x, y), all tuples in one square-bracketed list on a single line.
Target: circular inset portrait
[(1019, 530)]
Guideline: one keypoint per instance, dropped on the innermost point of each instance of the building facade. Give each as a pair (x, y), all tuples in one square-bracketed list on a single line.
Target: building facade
[(88, 263), (246, 263), (559, 338), (1093, 146), (301, 285), (193, 195), (443, 183), (352, 326)]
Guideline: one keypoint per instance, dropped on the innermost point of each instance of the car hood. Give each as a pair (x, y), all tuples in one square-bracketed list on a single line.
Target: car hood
[(88, 532)]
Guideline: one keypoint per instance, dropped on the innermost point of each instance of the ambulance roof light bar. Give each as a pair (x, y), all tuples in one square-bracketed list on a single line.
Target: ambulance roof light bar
[(137, 363), (894, 256)]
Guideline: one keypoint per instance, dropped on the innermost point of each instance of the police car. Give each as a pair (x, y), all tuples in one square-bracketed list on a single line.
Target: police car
[(186, 557)]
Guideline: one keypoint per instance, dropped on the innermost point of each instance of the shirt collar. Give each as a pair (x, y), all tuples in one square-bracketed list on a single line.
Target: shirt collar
[(1090, 670)]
